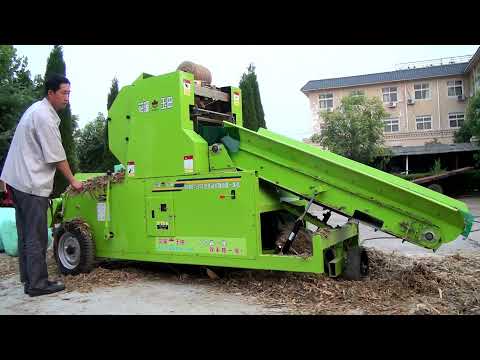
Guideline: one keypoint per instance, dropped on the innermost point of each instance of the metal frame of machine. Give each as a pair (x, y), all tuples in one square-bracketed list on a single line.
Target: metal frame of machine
[(200, 189)]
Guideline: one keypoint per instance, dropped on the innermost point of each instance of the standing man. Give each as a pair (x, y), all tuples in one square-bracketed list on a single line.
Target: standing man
[(35, 154)]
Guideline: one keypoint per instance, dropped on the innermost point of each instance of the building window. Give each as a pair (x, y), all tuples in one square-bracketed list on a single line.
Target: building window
[(357, 93), (455, 87), (456, 119), (389, 94), (390, 125), (424, 122), (422, 91), (326, 101)]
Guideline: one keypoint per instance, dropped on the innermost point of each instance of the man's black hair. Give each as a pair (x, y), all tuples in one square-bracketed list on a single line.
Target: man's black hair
[(54, 81)]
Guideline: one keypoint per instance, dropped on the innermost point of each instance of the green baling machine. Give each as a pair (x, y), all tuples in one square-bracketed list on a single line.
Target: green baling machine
[(200, 189)]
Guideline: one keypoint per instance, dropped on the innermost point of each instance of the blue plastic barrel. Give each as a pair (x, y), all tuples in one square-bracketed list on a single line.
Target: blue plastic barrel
[(8, 232), (2, 249), (117, 168)]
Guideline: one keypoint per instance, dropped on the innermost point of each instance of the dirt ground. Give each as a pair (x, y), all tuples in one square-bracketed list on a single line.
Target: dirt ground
[(403, 279), (126, 288)]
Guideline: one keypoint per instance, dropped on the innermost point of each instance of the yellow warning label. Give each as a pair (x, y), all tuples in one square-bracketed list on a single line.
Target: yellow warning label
[(187, 85)]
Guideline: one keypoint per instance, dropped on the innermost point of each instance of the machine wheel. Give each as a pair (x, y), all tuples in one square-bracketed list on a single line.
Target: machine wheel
[(356, 264), (436, 187), (74, 251)]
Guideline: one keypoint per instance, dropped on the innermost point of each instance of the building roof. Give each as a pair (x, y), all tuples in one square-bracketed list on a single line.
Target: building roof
[(475, 58), (391, 76), (433, 149)]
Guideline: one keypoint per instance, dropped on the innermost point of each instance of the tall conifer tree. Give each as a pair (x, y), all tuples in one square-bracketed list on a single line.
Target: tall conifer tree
[(56, 64), (253, 115), (109, 159)]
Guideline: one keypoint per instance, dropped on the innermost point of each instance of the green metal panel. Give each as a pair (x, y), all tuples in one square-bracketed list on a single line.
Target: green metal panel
[(160, 215), (212, 212), (268, 199), (407, 210), (220, 160), (127, 216), (181, 202), (212, 225), (153, 114), (118, 122)]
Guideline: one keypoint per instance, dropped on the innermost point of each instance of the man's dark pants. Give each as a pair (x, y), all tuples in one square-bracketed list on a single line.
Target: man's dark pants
[(32, 229)]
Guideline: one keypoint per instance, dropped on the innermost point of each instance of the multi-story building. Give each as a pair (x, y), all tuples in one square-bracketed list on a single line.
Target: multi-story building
[(425, 104)]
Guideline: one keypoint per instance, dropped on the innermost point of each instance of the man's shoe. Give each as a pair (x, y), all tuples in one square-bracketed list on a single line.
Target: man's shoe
[(50, 289), (26, 286), (54, 283)]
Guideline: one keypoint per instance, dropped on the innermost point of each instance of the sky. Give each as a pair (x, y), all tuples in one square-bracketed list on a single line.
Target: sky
[(281, 71)]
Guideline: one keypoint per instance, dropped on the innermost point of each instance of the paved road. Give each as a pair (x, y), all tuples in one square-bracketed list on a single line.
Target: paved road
[(145, 297)]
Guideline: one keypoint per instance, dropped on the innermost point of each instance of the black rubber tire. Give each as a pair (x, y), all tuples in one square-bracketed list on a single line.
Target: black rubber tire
[(436, 187), (356, 264), (87, 251)]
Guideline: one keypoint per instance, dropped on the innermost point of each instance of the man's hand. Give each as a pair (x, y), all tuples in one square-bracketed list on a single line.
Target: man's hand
[(76, 185), (64, 167)]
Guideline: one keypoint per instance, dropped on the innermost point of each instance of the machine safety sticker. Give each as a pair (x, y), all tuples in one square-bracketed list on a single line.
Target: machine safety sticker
[(232, 247), (187, 84), (101, 211), (222, 247), (171, 244), (188, 163), (236, 98), (131, 168)]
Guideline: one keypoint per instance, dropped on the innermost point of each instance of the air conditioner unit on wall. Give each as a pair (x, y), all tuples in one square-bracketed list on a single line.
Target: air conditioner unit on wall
[(461, 97), (392, 104), (410, 101)]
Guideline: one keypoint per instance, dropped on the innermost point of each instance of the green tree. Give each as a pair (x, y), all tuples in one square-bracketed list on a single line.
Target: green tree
[(17, 92), (56, 64), (113, 93), (471, 125), (355, 129), (437, 167), (38, 87), (90, 145), (253, 115), (109, 160)]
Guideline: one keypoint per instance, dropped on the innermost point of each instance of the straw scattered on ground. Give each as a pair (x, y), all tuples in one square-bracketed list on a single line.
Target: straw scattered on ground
[(8, 266), (396, 285), (103, 275)]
